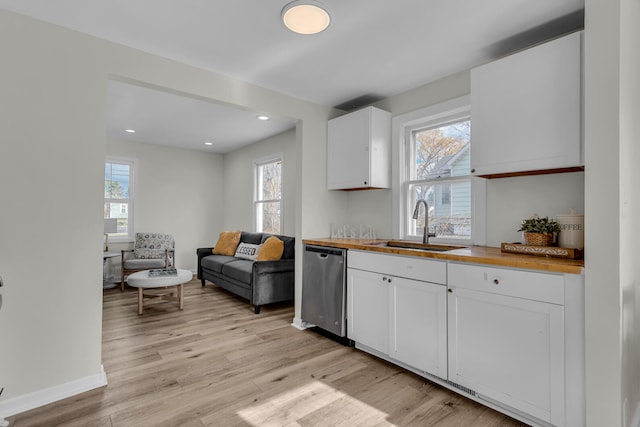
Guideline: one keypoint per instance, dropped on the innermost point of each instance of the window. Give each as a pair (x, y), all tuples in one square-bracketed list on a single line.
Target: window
[(268, 195), (118, 196), (435, 151), (438, 172)]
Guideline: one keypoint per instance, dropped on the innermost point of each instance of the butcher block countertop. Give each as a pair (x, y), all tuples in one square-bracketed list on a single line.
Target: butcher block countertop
[(471, 254)]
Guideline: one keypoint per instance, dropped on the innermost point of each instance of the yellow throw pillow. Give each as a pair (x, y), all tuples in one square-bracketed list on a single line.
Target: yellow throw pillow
[(227, 243), (271, 249)]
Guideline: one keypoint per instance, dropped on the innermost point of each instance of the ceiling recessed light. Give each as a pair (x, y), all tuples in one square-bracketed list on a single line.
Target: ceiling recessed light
[(130, 130), (208, 143), (306, 17), (263, 117)]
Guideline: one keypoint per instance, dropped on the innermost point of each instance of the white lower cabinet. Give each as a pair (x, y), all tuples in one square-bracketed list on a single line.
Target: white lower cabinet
[(367, 309), (400, 317), (513, 339), (418, 325), (510, 350), (507, 338)]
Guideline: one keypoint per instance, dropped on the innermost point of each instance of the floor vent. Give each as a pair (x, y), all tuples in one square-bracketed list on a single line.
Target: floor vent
[(461, 387)]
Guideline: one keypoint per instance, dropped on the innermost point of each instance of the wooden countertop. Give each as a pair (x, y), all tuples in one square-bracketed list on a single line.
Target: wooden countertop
[(472, 254)]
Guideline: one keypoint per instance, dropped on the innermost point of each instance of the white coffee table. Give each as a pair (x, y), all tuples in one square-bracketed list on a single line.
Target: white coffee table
[(160, 287)]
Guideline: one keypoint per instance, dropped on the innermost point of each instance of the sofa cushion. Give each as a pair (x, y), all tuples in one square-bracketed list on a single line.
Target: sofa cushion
[(289, 245), (271, 250), (227, 243), (215, 262), (239, 269), (250, 237), (143, 264), (248, 251), (153, 245)]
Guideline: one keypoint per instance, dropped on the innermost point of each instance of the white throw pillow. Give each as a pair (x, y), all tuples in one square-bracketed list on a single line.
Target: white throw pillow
[(248, 251)]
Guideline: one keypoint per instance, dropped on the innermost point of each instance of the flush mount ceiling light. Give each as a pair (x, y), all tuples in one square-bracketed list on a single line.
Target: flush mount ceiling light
[(130, 130), (305, 17), (263, 117), (208, 143)]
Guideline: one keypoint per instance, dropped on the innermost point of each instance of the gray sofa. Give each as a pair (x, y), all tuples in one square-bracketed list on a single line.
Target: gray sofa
[(260, 282)]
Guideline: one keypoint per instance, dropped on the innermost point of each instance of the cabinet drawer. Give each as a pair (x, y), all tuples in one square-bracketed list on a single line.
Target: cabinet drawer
[(522, 284), (415, 268)]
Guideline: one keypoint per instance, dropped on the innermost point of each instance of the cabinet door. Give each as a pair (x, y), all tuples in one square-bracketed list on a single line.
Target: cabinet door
[(367, 314), (526, 110), (508, 349), (348, 151), (418, 325), (359, 150)]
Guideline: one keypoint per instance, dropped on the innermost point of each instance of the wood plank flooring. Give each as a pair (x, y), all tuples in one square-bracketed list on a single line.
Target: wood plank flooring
[(218, 364)]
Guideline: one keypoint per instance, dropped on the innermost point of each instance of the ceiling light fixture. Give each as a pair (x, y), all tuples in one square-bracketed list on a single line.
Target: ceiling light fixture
[(263, 117), (306, 17), (130, 131), (208, 143)]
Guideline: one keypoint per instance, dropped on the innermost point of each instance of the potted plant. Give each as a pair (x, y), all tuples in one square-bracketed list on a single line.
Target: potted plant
[(539, 231)]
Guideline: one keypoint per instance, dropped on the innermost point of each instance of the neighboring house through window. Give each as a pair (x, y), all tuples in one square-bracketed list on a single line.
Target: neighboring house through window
[(268, 195), (435, 152), (118, 196)]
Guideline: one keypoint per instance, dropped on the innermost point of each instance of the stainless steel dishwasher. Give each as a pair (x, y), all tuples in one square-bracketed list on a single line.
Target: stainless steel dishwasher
[(324, 289)]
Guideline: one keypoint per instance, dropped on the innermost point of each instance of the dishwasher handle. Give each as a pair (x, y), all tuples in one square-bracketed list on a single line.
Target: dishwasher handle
[(324, 252)]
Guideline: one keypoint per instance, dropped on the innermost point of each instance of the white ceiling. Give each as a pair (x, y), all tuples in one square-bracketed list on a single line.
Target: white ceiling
[(173, 120), (372, 49)]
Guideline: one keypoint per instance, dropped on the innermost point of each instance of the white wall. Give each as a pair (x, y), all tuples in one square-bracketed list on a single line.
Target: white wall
[(52, 146), (602, 214), (612, 132), (629, 225), (239, 182), (509, 200), (176, 192), (52, 127), (371, 208)]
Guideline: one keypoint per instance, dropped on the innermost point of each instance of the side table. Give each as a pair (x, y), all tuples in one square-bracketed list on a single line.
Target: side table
[(107, 282)]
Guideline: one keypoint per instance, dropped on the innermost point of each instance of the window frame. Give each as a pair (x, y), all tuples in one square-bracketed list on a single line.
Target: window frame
[(403, 125), (131, 200), (278, 157)]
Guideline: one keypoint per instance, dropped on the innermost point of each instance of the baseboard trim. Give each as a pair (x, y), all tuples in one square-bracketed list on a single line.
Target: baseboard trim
[(26, 402), (636, 416), (297, 323)]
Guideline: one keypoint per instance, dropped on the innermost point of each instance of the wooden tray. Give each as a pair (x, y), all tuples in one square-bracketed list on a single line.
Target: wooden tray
[(552, 251)]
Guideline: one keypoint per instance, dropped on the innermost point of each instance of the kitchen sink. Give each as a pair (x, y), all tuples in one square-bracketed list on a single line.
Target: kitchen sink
[(418, 245)]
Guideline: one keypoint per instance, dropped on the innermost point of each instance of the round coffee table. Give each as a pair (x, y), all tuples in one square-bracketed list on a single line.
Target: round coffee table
[(160, 287)]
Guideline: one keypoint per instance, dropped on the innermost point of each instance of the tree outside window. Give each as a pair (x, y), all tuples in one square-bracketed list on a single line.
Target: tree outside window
[(268, 196)]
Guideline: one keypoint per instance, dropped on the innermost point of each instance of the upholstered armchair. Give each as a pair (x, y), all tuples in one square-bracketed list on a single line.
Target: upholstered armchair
[(150, 250)]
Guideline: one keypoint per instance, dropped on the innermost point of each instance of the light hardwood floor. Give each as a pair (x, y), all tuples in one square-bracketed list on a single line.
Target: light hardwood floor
[(218, 364)]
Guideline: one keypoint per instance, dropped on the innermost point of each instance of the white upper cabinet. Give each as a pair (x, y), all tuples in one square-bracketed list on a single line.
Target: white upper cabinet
[(358, 152), (526, 110)]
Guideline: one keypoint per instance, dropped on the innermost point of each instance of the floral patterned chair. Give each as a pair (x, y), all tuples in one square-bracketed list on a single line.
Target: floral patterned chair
[(150, 250)]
